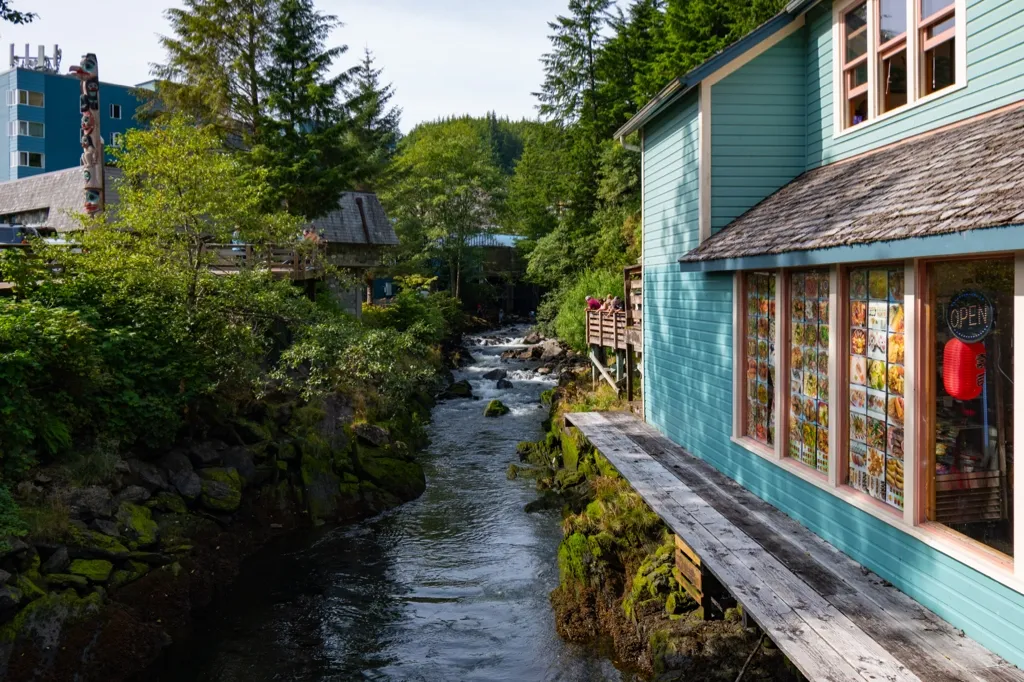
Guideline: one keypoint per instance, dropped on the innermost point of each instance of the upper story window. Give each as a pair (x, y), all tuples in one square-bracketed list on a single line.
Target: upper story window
[(115, 111), (27, 159), (855, 64), (938, 44), (27, 129), (891, 53), (26, 97), (115, 139)]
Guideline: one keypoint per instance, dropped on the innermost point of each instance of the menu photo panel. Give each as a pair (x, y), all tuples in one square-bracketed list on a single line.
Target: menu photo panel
[(808, 369), (877, 375)]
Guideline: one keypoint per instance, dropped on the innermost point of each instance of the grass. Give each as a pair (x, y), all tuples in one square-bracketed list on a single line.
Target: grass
[(96, 467), (48, 522)]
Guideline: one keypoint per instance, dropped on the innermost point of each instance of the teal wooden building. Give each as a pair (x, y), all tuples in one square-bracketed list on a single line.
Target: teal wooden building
[(833, 279)]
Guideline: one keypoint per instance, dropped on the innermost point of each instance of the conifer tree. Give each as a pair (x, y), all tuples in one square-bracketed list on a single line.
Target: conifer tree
[(374, 124), (216, 60), (305, 148)]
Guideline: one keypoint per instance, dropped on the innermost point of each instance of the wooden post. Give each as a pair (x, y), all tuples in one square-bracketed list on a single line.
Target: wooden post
[(630, 369)]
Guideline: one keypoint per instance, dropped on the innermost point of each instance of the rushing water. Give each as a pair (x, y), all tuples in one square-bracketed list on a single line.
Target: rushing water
[(452, 586)]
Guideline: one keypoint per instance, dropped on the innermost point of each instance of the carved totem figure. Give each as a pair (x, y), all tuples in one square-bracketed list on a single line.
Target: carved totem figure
[(92, 144)]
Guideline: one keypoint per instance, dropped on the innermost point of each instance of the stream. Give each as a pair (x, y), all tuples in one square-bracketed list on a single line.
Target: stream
[(452, 586)]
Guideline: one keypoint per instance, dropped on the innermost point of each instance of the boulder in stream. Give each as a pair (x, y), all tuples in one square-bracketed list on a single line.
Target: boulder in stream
[(495, 374), (532, 338), (504, 383), (495, 408), (460, 389)]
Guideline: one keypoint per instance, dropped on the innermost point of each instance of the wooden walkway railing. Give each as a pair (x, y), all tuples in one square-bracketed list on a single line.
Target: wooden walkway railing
[(282, 261)]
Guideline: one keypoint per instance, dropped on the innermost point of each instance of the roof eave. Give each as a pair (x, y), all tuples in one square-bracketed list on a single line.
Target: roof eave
[(680, 86)]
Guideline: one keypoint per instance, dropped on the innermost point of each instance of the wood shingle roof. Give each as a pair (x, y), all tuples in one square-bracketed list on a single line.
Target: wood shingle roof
[(963, 177)]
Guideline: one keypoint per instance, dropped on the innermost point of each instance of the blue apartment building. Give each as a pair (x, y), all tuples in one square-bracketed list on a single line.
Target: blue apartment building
[(40, 120)]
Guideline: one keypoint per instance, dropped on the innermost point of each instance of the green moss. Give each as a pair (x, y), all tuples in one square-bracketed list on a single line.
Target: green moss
[(96, 542), (28, 587), (282, 465), (62, 580), (574, 560), (349, 478), (94, 570), (321, 486), (495, 408), (400, 477), (679, 602), (567, 478), (512, 473), (547, 396), (570, 449), (221, 489), (37, 620), (168, 502), (137, 525)]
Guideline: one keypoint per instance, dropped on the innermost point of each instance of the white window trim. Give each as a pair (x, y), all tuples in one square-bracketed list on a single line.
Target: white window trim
[(119, 110), (16, 154), (914, 99), (910, 521), (14, 129)]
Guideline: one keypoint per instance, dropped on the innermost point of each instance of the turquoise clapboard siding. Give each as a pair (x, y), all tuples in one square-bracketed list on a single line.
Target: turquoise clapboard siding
[(995, 51), (758, 123), (688, 340)]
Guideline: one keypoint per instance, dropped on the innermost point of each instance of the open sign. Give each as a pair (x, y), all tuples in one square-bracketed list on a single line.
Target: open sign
[(970, 316)]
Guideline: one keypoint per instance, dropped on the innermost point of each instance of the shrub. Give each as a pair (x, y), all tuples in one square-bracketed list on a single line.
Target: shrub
[(10, 519)]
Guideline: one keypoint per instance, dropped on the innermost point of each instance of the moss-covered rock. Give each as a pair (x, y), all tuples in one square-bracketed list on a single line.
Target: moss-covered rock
[(137, 525), (29, 587), (93, 570), (65, 580), (570, 449), (221, 489), (404, 479), (495, 408), (321, 487), (458, 390), (38, 627), (84, 543), (168, 502)]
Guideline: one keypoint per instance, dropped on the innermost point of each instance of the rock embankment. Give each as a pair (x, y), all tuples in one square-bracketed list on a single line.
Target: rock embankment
[(113, 570)]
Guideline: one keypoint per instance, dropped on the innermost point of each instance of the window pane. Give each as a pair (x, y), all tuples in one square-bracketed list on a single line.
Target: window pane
[(893, 19), (760, 353), (930, 7), (858, 109), (940, 67), (877, 387), (808, 369), (35, 160), (35, 129), (856, 32), (35, 99), (939, 29), (971, 450), (894, 81)]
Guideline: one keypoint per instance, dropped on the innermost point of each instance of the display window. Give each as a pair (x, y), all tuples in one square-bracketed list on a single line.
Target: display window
[(969, 399), (809, 336), (760, 357), (877, 374)]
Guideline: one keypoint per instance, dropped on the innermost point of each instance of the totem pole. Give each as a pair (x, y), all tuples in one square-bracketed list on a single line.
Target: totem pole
[(92, 144)]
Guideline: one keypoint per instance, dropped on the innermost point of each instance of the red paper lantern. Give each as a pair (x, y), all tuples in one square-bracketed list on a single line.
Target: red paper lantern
[(963, 369)]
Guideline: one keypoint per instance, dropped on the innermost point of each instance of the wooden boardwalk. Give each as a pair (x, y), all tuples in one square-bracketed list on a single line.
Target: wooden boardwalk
[(831, 617)]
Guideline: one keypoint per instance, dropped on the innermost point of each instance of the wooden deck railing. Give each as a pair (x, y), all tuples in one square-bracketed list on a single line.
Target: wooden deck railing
[(282, 261), (620, 329)]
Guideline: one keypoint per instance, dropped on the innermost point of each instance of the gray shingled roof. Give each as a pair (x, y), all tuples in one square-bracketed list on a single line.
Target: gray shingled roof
[(50, 199), (963, 177), (346, 225)]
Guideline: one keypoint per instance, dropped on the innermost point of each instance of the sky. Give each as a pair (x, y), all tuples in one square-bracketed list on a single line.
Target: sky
[(444, 57)]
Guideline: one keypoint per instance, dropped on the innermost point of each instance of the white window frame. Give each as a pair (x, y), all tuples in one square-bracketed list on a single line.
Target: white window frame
[(911, 520), (116, 107), (15, 97), (20, 128), (18, 155), (915, 66), (115, 139)]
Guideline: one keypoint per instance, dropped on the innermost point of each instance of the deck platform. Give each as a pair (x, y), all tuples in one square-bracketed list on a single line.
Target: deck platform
[(833, 619)]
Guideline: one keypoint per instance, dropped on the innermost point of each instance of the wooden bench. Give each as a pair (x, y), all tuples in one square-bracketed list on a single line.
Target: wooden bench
[(831, 617)]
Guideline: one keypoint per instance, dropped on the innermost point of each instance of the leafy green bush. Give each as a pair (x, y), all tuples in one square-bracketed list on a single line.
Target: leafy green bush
[(429, 317), (49, 363), (569, 304)]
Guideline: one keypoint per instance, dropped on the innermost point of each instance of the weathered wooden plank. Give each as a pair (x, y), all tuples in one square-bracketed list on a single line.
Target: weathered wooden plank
[(929, 646), (689, 571)]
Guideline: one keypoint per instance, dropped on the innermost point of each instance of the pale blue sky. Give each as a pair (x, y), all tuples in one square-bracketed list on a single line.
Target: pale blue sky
[(443, 56)]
